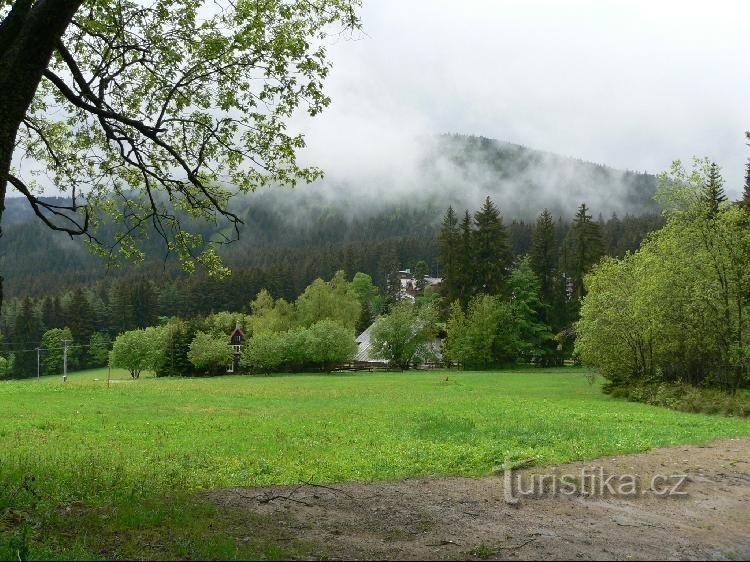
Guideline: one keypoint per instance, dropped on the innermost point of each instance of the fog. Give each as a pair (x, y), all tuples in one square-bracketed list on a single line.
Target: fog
[(630, 84)]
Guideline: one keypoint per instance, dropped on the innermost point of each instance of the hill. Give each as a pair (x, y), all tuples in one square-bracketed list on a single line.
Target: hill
[(360, 217)]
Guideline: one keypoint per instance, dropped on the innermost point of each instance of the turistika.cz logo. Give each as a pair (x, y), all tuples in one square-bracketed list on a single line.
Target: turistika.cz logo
[(591, 482)]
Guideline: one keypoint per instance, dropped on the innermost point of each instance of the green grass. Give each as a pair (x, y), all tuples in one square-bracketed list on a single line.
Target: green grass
[(89, 471)]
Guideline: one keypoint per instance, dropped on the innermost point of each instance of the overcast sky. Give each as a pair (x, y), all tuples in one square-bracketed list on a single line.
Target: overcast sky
[(632, 84)]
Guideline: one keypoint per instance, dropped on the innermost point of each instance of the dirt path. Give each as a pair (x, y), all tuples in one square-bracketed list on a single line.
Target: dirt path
[(459, 518)]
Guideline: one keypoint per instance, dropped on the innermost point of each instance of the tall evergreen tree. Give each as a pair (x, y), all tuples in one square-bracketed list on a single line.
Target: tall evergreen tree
[(146, 304), (535, 340), (544, 258), (367, 295), (466, 261), (49, 316), (173, 361), (81, 318), (27, 333), (421, 271), (449, 244), (122, 307), (745, 202), (491, 251), (389, 267), (612, 236), (586, 248), (714, 189)]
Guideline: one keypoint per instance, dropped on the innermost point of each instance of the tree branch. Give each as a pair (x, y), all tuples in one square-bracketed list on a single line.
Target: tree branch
[(76, 228)]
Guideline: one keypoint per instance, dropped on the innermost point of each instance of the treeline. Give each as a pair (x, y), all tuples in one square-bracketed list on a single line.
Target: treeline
[(284, 271), (272, 253), (314, 332), (676, 311), (136, 301), (348, 223), (505, 307)]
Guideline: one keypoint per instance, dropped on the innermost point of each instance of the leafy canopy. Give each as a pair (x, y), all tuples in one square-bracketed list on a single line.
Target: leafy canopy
[(149, 113)]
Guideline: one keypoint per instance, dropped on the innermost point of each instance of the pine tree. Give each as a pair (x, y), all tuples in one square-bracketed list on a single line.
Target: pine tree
[(586, 248), (714, 189), (58, 311), (491, 251), (544, 258), (450, 258), (613, 236)]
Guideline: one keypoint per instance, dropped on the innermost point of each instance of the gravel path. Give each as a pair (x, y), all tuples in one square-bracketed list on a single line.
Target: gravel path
[(475, 518)]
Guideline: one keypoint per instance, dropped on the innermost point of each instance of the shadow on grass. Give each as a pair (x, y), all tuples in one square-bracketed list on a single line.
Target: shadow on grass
[(172, 528)]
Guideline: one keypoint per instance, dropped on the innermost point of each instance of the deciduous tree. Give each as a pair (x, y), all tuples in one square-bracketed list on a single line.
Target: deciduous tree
[(149, 111)]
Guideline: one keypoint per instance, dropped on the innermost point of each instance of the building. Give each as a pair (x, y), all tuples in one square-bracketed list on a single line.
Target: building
[(364, 359), (409, 284), (236, 340)]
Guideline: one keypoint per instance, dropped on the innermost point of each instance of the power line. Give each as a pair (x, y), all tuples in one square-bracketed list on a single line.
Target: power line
[(65, 359), (48, 348)]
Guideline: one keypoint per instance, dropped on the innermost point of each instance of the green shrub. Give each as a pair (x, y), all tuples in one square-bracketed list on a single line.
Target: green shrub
[(684, 397)]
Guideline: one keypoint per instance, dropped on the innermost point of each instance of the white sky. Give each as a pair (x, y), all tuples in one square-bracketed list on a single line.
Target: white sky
[(632, 84)]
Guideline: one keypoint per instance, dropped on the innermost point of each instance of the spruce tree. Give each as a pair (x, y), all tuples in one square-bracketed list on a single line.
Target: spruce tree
[(714, 189), (450, 258), (544, 258), (586, 248), (491, 251)]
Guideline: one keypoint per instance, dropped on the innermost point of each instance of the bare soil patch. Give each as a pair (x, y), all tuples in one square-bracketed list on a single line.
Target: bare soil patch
[(470, 518)]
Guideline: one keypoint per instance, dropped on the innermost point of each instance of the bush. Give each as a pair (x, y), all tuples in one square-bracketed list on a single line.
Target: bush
[(323, 345), (685, 398), (210, 353)]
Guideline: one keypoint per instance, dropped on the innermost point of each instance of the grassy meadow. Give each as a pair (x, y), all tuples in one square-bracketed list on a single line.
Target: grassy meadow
[(91, 471)]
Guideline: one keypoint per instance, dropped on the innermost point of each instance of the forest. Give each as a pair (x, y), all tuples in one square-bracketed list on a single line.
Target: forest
[(541, 291), (92, 315)]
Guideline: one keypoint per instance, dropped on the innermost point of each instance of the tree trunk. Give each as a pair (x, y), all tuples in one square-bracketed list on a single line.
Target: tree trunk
[(7, 141), (29, 35)]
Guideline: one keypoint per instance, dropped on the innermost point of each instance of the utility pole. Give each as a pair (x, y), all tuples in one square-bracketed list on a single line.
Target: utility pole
[(65, 359), (37, 363)]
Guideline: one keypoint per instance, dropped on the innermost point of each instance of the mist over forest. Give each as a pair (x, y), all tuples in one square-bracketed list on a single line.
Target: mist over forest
[(459, 170), (399, 194)]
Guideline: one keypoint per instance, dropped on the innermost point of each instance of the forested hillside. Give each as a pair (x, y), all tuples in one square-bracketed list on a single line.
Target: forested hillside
[(369, 222)]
